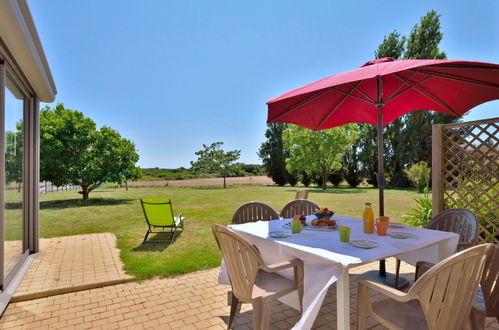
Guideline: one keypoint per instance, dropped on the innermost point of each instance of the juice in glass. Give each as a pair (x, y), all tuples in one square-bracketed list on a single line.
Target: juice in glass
[(368, 217)]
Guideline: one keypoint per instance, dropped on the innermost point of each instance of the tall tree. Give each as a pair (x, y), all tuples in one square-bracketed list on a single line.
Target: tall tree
[(212, 159), (72, 151), (368, 153), (408, 138), (318, 152), (393, 45), (351, 168), (273, 153), (424, 39), (423, 43)]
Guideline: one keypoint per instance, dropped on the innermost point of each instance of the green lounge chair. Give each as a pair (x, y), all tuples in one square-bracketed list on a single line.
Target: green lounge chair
[(158, 213)]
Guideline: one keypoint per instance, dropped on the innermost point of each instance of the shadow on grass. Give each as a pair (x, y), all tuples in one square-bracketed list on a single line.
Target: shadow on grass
[(67, 203), (157, 243), (336, 190), (221, 187)]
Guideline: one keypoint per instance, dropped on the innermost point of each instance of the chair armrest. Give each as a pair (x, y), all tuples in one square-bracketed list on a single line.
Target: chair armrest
[(421, 268), (283, 265), (385, 290), (179, 219)]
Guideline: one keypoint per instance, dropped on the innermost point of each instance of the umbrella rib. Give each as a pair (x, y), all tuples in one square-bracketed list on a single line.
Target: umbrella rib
[(408, 88), (302, 103), (424, 92), (333, 110), (401, 84), (354, 96), (459, 78), (361, 91)]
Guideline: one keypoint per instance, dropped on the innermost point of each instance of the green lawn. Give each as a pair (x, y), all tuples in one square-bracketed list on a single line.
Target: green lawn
[(118, 211)]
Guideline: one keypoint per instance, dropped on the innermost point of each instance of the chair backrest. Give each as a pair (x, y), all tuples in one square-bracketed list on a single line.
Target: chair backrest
[(241, 259), (490, 285), (252, 212), (447, 290), (298, 206), (301, 194), (459, 221), (158, 211)]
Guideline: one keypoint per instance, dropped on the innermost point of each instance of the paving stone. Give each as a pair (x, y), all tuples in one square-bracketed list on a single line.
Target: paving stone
[(175, 303)]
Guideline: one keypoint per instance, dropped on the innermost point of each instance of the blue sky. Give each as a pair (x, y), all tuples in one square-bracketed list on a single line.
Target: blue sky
[(172, 75)]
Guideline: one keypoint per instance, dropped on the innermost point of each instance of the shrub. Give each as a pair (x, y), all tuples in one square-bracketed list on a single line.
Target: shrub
[(305, 179), (335, 178), (292, 178), (419, 175), (420, 215)]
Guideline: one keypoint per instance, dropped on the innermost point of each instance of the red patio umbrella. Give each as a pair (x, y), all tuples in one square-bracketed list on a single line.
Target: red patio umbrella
[(384, 89)]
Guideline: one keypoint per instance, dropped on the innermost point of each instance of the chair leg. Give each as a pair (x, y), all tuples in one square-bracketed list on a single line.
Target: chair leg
[(477, 319), (397, 272), (233, 308), (147, 234), (262, 311), (173, 236)]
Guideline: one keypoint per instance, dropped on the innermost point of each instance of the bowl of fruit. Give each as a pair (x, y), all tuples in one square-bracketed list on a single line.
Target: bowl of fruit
[(324, 213)]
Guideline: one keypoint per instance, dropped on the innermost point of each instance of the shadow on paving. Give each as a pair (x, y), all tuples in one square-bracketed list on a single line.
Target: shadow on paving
[(67, 203)]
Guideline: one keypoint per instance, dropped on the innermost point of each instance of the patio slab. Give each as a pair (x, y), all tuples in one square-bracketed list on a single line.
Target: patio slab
[(73, 263), (192, 301)]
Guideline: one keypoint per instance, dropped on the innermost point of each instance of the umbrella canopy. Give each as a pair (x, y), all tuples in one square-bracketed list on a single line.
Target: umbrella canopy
[(382, 90), (451, 87)]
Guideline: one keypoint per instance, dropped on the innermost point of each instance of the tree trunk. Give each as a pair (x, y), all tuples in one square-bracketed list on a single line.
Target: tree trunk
[(85, 192), (225, 185), (324, 181), (126, 184)]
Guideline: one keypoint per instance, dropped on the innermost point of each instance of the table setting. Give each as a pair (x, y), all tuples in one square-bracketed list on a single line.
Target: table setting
[(329, 252)]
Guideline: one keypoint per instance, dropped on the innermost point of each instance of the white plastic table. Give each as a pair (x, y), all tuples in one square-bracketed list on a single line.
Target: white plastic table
[(327, 260)]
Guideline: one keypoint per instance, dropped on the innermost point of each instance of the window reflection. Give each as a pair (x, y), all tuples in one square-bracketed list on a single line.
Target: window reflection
[(13, 197)]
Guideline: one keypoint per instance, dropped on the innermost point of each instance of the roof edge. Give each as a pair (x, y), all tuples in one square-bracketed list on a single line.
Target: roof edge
[(18, 32)]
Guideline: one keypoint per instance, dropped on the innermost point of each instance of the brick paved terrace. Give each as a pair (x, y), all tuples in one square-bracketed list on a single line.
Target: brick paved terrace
[(193, 301), (72, 263)]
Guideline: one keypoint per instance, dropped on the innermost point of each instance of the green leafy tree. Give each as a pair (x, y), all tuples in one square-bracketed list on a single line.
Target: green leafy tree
[(423, 43), (424, 38), (393, 45), (273, 154), (317, 152), (419, 175), (351, 169), (14, 155), (367, 144), (72, 151), (212, 159)]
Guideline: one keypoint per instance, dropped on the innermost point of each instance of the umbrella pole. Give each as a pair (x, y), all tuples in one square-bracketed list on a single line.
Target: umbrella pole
[(381, 275), (381, 173), (381, 170)]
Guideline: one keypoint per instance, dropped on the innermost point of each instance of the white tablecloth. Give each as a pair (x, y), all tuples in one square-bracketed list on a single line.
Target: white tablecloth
[(326, 258)]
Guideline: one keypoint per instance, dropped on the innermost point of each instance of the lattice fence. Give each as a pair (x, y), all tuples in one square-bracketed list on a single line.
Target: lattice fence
[(466, 172)]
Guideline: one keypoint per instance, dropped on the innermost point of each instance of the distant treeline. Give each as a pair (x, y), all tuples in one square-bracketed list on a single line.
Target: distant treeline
[(182, 173)]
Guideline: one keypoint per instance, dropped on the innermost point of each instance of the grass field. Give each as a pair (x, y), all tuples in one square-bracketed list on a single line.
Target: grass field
[(118, 211)]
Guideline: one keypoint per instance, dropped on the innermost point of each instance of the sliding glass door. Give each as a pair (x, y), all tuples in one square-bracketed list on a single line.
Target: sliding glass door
[(13, 217)]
